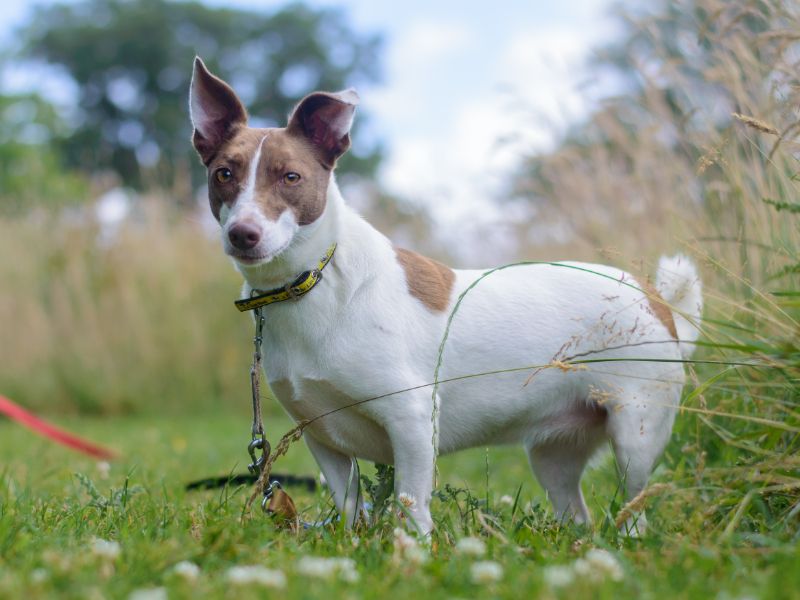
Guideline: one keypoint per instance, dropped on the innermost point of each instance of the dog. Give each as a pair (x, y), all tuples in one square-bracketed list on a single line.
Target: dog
[(374, 324)]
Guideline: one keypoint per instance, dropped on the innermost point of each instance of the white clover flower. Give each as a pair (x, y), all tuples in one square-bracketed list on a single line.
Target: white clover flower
[(598, 564), (40, 575), (186, 570), (57, 562), (485, 571), (416, 556), (315, 566), (506, 500), (106, 549), (247, 574), (603, 563), (471, 546), (326, 568), (402, 540), (158, 593), (103, 468), (558, 576), (347, 571), (407, 548), (584, 568), (407, 500)]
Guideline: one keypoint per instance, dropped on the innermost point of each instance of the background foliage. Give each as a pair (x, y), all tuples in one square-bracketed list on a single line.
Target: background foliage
[(130, 65)]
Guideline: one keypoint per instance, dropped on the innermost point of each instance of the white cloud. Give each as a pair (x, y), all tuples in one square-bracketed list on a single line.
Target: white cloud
[(428, 41), (415, 60), (455, 137)]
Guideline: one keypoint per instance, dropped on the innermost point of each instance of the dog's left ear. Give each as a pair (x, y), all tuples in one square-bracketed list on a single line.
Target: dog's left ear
[(215, 110), (325, 118)]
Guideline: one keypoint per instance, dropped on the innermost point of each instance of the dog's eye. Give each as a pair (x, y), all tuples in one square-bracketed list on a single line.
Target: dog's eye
[(291, 178), (223, 175)]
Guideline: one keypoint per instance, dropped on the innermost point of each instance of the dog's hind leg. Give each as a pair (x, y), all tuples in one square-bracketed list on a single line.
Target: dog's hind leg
[(558, 466), (341, 473), (639, 426)]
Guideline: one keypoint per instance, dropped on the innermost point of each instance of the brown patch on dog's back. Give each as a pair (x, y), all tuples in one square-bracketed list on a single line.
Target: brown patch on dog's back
[(660, 309), (429, 281)]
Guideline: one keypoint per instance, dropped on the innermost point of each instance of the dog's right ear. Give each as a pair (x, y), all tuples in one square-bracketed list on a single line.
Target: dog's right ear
[(324, 119), (215, 111)]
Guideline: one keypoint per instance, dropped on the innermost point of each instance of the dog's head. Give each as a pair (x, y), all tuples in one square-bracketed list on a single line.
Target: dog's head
[(266, 185)]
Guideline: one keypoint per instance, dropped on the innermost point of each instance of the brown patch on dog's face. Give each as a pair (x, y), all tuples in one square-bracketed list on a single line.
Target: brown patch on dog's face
[(288, 176), (234, 155), (429, 281), (283, 154), (660, 309)]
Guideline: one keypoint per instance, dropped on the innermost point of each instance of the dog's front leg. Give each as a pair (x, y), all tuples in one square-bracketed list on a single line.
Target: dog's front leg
[(412, 445), (341, 473)]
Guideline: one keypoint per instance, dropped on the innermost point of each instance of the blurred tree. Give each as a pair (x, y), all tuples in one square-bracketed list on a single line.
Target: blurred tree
[(132, 63), (31, 173)]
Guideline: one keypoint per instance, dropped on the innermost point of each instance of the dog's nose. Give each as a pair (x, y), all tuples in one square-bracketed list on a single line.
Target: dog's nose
[(244, 236)]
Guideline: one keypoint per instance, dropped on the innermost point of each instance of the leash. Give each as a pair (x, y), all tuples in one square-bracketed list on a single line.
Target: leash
[(274, 500), (284, 479), (42, 427)]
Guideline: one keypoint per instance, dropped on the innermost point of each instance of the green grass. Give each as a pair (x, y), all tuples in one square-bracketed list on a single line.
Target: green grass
[(49, 517)]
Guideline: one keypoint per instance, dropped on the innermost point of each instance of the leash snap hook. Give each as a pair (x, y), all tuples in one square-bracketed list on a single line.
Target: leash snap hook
[(258, 443), (268, 491)]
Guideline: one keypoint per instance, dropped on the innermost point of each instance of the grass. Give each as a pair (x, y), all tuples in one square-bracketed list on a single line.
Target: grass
[(50, 515)]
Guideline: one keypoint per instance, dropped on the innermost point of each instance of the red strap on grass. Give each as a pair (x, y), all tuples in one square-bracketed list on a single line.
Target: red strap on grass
[(31, 421)]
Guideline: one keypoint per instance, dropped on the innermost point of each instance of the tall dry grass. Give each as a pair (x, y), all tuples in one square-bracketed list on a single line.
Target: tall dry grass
[(139, 320), (143, 322), (667, 164), (702, 157)]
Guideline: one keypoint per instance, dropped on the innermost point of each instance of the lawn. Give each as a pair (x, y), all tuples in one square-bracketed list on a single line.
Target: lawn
[(56, 506)]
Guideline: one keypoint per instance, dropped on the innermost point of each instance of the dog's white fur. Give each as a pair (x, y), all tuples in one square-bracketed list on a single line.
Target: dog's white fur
[(361, 334)]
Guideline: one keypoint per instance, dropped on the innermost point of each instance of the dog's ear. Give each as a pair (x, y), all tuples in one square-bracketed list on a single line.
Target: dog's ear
[(324, 119), (215, 110)]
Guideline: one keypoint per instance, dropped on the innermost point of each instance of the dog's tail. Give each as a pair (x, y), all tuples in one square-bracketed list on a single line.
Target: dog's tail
[(679, 285)]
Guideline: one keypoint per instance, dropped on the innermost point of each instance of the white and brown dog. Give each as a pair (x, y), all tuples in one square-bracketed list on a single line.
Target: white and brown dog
[(375, 322)]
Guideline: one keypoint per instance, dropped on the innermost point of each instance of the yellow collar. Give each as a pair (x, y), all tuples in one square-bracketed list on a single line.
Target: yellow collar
[(303, 284)]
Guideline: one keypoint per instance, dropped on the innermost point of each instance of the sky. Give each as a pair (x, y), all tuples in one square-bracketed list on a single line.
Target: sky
[(469, 87)]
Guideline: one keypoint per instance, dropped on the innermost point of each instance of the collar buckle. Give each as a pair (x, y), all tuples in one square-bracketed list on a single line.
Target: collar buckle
[(290, 291)]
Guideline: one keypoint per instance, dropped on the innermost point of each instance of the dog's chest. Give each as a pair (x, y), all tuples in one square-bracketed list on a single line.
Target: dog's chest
[(336, 420)]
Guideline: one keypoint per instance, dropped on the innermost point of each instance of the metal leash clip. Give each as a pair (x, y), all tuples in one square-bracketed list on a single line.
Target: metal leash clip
[(268, 491), (258, 443)]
